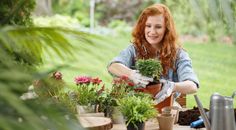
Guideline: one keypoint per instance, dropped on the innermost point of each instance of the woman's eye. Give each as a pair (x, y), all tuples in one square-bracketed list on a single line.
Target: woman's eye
[(148, 26), (158, 27)]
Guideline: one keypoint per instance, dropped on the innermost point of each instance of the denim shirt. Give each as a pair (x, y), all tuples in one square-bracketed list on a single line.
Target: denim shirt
[(183, 64)]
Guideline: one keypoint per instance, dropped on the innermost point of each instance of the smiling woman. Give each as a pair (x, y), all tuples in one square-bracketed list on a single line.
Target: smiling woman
[(155, 37)]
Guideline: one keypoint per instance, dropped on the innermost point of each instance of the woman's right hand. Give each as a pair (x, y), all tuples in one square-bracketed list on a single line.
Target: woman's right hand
[(139, 79)]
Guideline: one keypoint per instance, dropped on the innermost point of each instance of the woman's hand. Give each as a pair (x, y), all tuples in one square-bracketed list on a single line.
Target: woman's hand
[(139, 79), (166, 90)]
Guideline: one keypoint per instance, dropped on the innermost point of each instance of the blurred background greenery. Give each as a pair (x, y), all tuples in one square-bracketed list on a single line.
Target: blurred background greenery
[(39, 36)]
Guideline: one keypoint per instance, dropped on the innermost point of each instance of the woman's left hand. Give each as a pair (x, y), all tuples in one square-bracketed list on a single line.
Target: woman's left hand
[(166, 90)]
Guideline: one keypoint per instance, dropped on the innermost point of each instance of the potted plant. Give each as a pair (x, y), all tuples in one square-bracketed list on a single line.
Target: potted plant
[(121, 87), (150, 68), (137, 110), (50, 87), (86, 93), (153, 68)]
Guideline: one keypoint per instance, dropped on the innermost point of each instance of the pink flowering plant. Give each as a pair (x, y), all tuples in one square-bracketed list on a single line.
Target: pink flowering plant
[(50, 86), (121, 87), (88, 90)]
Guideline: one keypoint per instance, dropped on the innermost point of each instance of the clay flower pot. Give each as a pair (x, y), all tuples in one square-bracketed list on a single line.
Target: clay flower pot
[(166, 122)]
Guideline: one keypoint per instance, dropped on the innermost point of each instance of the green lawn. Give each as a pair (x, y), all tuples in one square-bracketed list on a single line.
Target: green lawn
[(214, 64)]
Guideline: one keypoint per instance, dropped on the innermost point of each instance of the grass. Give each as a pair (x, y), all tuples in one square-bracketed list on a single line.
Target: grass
[(214, 64)]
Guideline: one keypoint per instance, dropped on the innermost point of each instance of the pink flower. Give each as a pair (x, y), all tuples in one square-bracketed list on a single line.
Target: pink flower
[(96, 81), (82, 80), (125, 78), (57, 75), (131, 84)]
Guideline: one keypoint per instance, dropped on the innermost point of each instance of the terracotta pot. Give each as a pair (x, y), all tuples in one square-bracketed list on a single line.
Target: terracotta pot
[(153, 90), (165, 122)]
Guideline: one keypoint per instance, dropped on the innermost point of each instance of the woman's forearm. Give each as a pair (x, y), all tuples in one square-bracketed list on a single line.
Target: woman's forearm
[(119, 69), (185, 87)]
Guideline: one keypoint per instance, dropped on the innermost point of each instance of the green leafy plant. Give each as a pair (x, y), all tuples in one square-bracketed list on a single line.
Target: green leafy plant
[(17, 77), (121, 87), (16, 12), (50, 86), (137, 109), (150, 68)]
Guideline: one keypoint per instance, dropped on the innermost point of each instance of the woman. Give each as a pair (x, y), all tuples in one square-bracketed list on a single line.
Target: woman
[(154, 36)]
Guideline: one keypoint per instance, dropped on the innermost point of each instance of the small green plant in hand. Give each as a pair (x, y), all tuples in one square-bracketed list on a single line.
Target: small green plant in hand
[(150, 68)]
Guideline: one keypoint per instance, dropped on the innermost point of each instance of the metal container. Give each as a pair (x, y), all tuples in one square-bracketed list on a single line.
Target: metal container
[(221, 115)]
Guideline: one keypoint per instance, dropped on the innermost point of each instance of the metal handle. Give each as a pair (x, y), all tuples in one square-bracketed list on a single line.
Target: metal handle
[(203, 113)]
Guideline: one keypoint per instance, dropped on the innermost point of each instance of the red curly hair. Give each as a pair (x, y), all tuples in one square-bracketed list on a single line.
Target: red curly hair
[(168, 45)]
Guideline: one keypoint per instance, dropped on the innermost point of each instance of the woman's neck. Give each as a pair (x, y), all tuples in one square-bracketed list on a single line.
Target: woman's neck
[(156, 48)]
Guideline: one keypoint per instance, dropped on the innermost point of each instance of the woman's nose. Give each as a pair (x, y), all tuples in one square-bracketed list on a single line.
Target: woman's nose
[(152, 30)]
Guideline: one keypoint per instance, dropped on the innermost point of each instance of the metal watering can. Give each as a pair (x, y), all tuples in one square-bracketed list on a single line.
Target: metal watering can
[(221, 114)]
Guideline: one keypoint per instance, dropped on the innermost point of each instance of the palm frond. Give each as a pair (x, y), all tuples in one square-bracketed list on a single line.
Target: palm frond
[(21, 50)]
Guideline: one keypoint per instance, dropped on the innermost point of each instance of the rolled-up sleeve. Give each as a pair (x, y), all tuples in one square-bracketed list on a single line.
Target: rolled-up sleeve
[(126, 57), (184, 68)]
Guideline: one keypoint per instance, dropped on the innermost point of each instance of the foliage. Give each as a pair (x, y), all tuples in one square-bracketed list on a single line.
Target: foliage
[(88, 90), (16, 77), (150, 68), (121, 87), (106, 10), (56, 21), (213, 17), (76, 8), (53, 88), (50, 86), (16, 12), (137, 108)]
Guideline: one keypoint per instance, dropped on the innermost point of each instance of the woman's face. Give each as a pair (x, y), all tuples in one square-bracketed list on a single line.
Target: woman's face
[(154, 29)]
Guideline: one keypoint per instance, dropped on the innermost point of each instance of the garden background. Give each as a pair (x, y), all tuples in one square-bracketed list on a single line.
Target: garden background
[(90, 33)]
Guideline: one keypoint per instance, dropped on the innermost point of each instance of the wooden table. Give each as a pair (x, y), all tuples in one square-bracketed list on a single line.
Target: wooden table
[(95, 123), (153, 125)]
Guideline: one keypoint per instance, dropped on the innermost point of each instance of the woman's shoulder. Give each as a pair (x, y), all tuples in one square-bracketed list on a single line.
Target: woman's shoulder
[(182, 54), (130, 48)]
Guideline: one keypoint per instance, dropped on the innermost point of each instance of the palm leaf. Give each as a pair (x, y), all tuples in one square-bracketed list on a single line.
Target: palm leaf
[(16, 76)]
